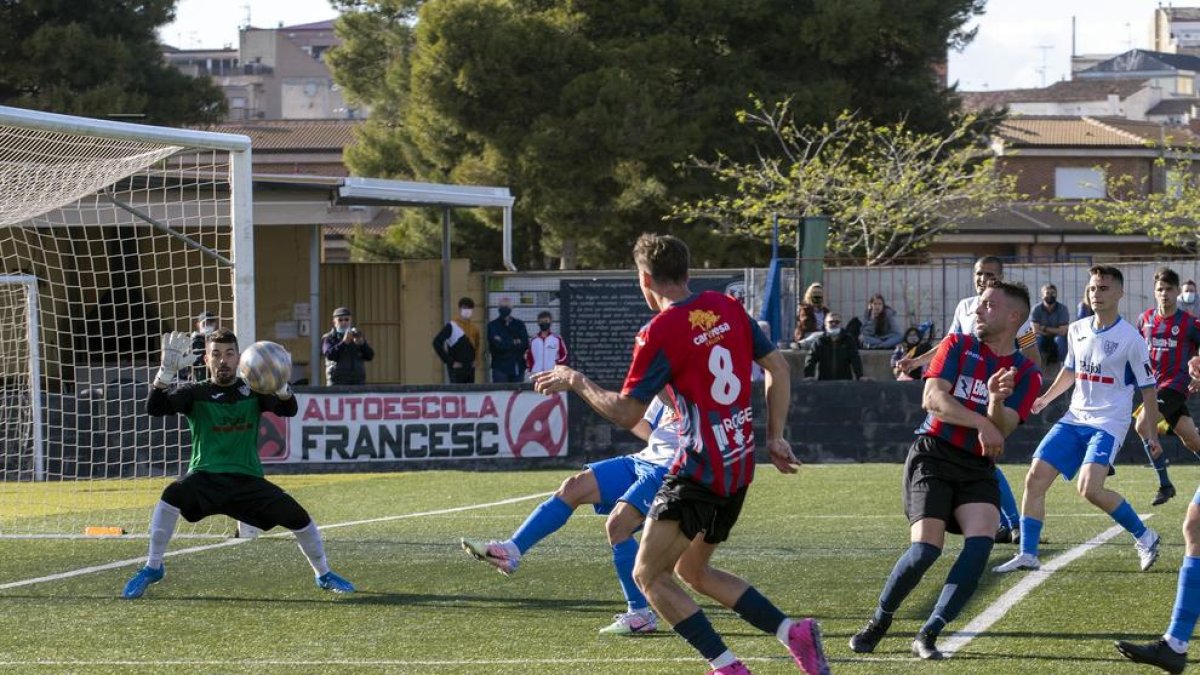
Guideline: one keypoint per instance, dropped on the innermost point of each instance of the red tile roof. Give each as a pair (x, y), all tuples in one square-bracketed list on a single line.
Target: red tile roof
[(295, 135), (1036, 131)]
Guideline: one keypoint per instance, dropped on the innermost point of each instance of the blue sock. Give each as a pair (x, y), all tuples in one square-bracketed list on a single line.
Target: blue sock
[(1031, 535), (1160, 465), (960, 583), (1010, 515), (758, 611), (544, 521), (905, 576), (1127, 518), (623, 554), (1187, 600), (699, 633)]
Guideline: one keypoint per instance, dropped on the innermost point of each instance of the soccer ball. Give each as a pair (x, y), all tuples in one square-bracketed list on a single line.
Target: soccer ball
[(265, 367)]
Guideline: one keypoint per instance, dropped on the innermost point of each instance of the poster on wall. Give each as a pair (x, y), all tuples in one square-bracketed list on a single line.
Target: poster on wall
[(431, 425)]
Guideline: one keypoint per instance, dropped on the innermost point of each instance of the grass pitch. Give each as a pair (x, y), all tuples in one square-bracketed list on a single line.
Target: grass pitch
[(818, 544)]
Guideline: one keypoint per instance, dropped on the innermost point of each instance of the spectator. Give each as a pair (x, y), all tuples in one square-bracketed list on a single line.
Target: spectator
[(1050, 320), (1187, 299), (879, 330), (913, 345), (1083, 310), (810, 315), (834, 355), (346, 351), (457, 344), (546, 349), (507, 341), (206, 322)]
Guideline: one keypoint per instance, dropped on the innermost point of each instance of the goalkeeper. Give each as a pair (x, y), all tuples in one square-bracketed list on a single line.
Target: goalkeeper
[(225, 475)]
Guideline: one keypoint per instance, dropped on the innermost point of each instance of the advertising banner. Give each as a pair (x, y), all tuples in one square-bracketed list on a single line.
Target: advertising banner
[(429, 425)]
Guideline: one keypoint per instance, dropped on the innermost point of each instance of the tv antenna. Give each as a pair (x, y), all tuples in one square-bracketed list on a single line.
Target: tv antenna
[(1045, 49)]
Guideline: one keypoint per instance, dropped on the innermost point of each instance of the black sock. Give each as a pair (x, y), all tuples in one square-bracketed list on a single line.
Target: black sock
[(758, 611), (904, 577), (960, 583), (699, 633)]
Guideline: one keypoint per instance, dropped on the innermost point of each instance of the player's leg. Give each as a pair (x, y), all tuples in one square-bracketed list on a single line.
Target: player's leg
[(1010, 515), (1170, 652), (626, 518), (1101, 450), (549, 516), (1061, 451), (978, 520), (180, 497), (1169, 403), (928, 503)]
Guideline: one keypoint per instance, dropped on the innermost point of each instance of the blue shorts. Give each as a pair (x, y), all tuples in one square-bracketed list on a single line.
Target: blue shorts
[(627, 479), (1069, 446)]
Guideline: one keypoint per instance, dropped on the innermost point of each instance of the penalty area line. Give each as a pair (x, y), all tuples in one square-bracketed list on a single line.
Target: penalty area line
[(234, 542), (996, 611)]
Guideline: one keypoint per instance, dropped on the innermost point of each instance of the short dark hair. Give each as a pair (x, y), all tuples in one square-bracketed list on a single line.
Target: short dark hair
[(1015, 291), (1051, 287), (466, 302), (221, 335), (1107, 271), (544, 314), (990, 260), (1167, 275), (665, 257)]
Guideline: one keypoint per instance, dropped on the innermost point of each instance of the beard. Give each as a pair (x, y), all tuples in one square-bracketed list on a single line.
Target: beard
[(223, 378)]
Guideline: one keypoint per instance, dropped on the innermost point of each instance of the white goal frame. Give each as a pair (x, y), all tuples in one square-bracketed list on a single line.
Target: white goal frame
[(32, 335)]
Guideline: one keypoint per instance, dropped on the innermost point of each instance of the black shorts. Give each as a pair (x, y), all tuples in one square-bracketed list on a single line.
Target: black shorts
[(697, 509), (939, 478), (1172, 405), (250, 499)]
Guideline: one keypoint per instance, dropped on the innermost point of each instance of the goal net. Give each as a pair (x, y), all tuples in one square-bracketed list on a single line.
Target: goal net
[(110, 235)]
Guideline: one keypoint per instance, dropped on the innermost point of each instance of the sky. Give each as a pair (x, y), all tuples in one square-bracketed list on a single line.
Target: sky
[(1020, 43)]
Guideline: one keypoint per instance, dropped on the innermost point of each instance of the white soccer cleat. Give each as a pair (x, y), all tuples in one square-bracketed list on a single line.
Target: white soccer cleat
[(1148, 553), (1021, 561), (630, 623), (494, 553)]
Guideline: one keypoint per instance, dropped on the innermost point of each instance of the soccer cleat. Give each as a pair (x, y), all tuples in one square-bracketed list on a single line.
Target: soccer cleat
[(925, 647), (1164, 495), (804, 642), (1021, 561), (493, 553), (735, 668), (330, 581), (1155, 654), (865, 640), (136, 587), (631, 623), (1004, 535), (1148, 554)]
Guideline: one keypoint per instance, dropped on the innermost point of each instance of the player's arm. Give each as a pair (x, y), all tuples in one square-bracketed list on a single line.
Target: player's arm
[(282, 403), (777, 380), (1062, 382), (642, 430), (164, 397), (905, 364), (1000, 386), (1147, 422), (624, 411), (938, 401)]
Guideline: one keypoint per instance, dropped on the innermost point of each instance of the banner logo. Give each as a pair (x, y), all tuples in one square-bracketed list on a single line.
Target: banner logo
[(537, 431)]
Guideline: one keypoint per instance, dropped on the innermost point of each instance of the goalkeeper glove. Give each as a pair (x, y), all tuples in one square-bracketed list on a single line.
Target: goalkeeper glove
[(176, 355)]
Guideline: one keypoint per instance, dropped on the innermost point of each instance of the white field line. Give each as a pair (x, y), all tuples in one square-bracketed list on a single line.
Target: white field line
[(996, 611), (234, 542), (368, 663)]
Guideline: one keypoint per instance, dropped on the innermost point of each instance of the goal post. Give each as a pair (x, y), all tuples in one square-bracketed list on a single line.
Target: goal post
[(110, 234)]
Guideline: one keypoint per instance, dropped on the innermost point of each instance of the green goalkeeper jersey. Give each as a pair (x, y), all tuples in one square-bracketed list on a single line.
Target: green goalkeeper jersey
[(223, 421)]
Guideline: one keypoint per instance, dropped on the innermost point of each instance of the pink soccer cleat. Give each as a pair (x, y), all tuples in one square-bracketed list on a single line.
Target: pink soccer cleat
[(493, 553), (735, 668), (804, 642)]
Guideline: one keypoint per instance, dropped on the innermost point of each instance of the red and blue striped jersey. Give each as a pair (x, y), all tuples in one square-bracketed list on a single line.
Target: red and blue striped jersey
[(967, 363), (1173, 340), (703, 347)]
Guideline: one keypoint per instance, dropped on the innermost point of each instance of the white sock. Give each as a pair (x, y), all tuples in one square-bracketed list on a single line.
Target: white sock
[(725, 659), (162, 526), (309, 539), (1147, 537), (781, 633), (1177, 646)]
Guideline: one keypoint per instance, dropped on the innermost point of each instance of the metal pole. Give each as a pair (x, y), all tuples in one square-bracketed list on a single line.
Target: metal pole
[(446, 317), (314, 308)]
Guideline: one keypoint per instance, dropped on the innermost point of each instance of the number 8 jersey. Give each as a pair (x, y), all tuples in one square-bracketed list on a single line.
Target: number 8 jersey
[(703, 347)]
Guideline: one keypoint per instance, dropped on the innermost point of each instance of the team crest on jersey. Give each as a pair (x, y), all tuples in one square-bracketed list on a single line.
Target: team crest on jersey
[(1174, 330), (244, 390), (1110, 347), (702, 319)]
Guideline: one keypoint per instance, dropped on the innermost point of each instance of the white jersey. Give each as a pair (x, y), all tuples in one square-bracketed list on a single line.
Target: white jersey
[(1107, 364), (964, 322), (664, 439)]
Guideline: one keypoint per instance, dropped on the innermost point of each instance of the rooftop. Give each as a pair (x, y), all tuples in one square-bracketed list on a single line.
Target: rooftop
[(1066, 91), (1109, 132), (294, 135)]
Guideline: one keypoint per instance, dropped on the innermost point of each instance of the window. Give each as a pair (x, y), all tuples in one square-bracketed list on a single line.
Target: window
[(1079, 183)]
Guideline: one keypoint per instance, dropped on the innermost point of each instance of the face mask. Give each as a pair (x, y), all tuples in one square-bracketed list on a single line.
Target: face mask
[(913, 339), (341, 330), (1051, 299), (544, 326), (505, 311), (1187, 296), (207, 328), (835, 331), (465, 312), (817, 299)]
